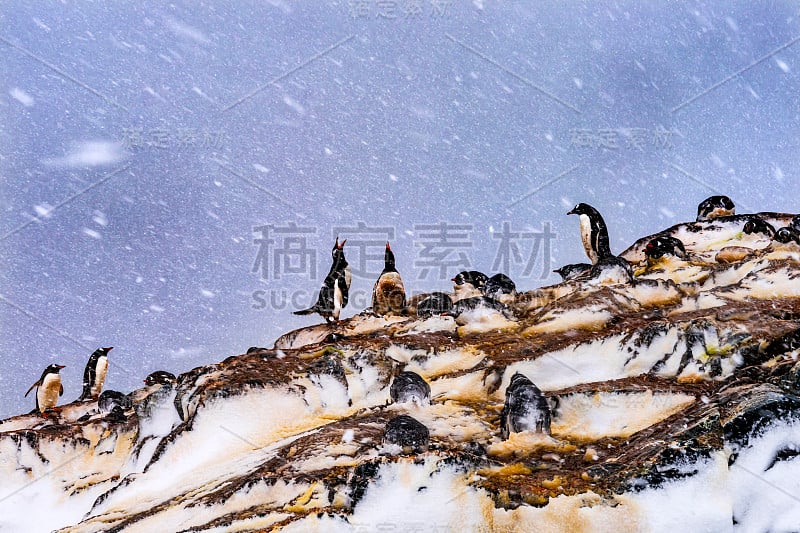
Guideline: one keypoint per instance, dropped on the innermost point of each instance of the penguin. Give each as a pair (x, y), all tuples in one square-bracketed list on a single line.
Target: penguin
[(795, 223), (409, 387), (759, 225), (408, 433), (787, 235), (160, 377), (48, 388), (664, 245), (437, 303), (525, 408), (570, 272), (388, 294), (334, 293), (611, 269), (471, 309), (594, 233), (111, 399), (501, 288), (467, 284), (715, 207), (94, 375)]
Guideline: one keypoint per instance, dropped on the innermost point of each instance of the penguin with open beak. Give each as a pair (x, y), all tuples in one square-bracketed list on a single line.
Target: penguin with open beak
[(334, 293), (388, 294)]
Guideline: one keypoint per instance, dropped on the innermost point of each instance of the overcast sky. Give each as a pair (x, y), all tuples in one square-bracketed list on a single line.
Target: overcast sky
[(173, 177)]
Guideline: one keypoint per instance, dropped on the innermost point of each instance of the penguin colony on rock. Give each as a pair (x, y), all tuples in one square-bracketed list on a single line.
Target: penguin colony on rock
[(525, 408)]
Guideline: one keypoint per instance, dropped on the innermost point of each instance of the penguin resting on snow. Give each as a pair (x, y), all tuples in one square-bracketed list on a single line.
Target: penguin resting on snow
[(388, 294), (467, 284), (94, 375), (48, 388), (525, 408), (715, 207), (410, 387)]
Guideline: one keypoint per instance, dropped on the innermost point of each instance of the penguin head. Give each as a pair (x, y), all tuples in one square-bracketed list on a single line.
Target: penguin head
[(758, 225), (337, 254), (795, 223), (569, 272), (518, 379), (473, 277), (388, 259), (52, 369), (787, 235), (664, 245), (715, 206), (582, 209)]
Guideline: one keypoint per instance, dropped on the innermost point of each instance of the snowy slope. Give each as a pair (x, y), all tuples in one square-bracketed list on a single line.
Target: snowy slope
[(673, 402)]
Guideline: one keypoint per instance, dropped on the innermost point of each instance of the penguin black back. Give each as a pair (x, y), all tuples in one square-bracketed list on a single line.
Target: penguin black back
[(436, 303), (525, 408), (715, 207), (94, 374), (499, 285), (410, 387), (408, 433), (594, 233), (759, 225), (663, 245), (787, 235)]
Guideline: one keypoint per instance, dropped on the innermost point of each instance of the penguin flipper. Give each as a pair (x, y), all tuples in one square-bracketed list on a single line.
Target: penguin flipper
[(61, 390), (32, 387), (308, 311)]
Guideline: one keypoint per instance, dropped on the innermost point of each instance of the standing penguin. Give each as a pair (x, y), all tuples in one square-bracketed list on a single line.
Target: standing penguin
[(334, 293), (594, 233), (388, 294), (94, 375), (525, 408), (48, 388)]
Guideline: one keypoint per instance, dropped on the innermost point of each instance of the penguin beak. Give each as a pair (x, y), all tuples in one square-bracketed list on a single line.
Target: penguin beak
[(340, 246), (108, 349), (571, 212), (387, 246), (60, 366)]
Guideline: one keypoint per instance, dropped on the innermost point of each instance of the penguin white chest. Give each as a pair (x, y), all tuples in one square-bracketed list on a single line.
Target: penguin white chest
[(101, 369), (49, 391), (337, 300), (586, 238)]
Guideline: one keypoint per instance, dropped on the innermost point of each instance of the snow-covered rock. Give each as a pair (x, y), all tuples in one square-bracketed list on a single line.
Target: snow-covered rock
[(672, 396)]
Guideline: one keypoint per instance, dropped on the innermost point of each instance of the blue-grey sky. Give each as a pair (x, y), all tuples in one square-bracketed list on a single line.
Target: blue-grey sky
[(141, 144)]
